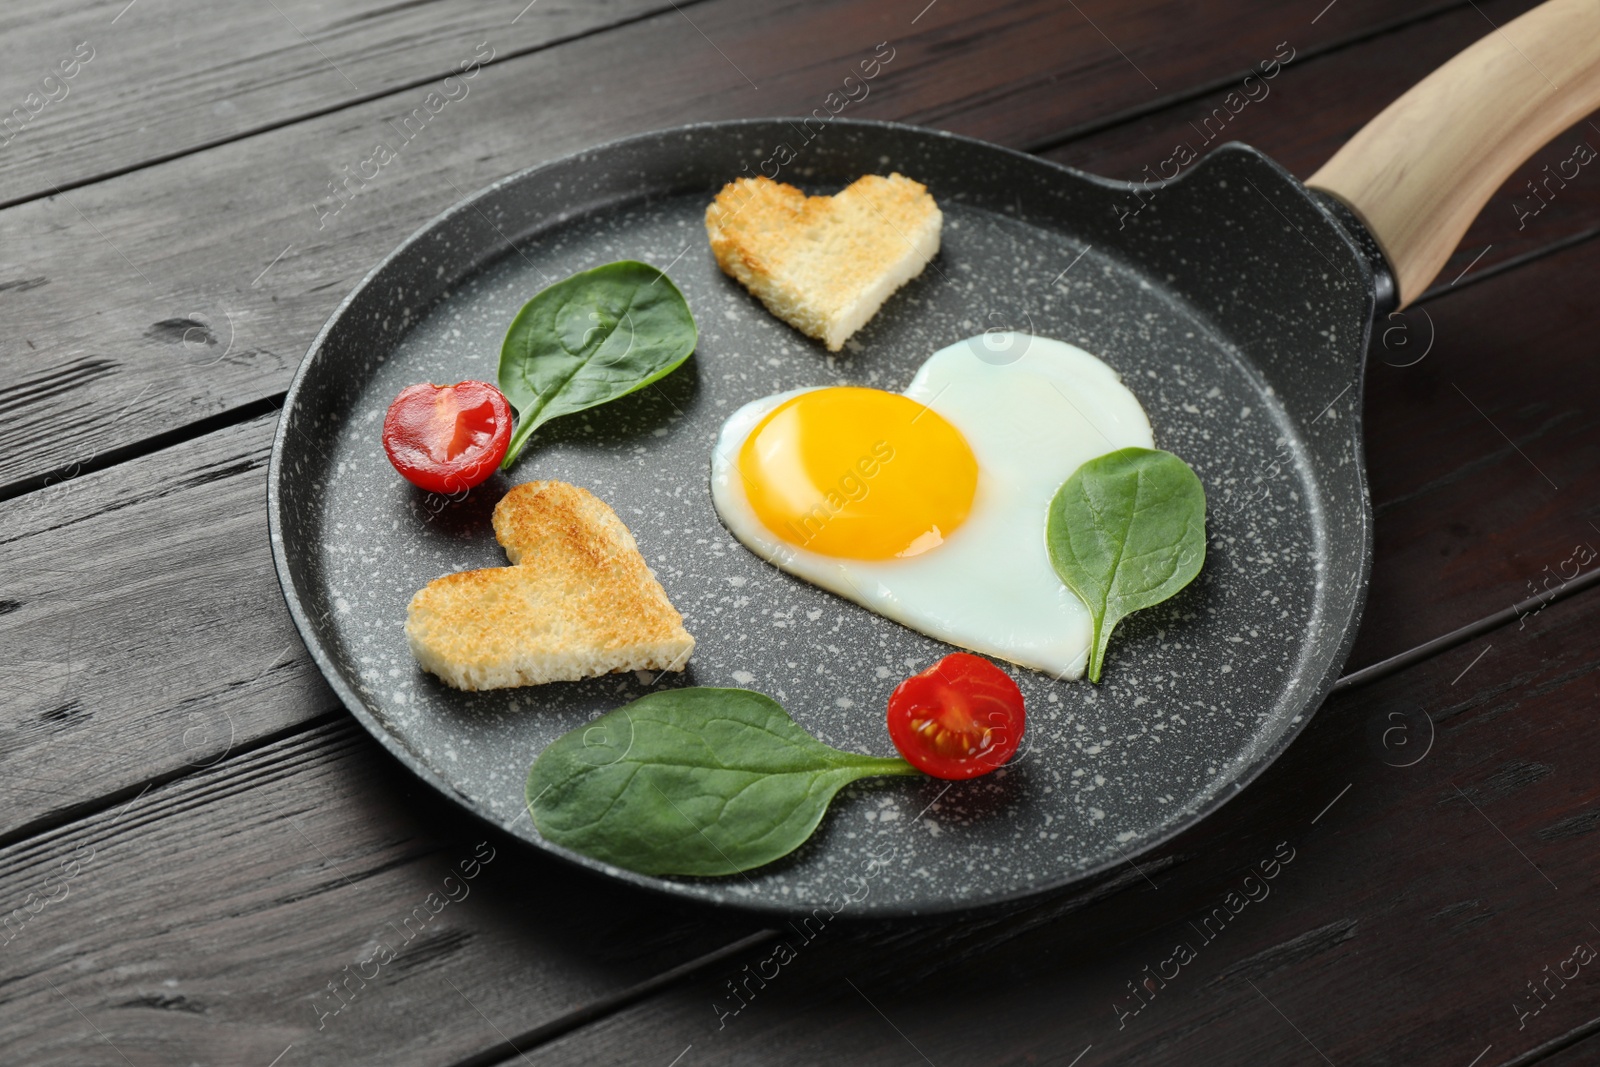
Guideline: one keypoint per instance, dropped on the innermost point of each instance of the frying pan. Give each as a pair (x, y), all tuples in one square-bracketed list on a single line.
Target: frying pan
[(1236, 303)]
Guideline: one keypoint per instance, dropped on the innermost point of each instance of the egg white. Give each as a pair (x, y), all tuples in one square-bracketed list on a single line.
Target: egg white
[(1032, 410)]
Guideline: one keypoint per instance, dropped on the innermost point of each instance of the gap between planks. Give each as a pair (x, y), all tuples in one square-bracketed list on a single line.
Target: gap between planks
[(1200, 92), (1460, 636), (127, 453), (604, 1007), (316, 113)]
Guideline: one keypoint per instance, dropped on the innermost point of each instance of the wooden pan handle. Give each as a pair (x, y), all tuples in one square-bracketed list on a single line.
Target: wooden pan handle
[(1419, 173)]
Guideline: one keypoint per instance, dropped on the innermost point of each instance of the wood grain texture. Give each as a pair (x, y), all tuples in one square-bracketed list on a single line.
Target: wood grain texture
[(1422, 169), (1309, 110), (202, 922), (179, 291), (157, 641), (164, 79), (1418, 903), (1484, 457)]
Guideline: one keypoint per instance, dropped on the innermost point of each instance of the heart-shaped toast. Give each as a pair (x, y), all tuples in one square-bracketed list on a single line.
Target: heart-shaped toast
[(578, 601), (824, 264)]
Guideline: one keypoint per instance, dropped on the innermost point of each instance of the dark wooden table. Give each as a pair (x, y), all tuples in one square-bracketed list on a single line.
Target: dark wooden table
[(201, 851)]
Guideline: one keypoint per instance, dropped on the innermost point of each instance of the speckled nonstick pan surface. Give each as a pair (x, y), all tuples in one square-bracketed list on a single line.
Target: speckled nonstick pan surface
[(1234, 306)]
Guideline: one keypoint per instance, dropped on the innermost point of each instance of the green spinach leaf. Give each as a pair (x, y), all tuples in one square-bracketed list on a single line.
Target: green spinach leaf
[(593, 337), (1125, 532), (691, 781)]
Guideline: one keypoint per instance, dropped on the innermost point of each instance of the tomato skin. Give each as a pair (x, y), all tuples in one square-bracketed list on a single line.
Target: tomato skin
[(447, 438), (958, 719)]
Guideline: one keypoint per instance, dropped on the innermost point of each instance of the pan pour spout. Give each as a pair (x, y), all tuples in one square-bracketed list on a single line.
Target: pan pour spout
[(1419, 173)]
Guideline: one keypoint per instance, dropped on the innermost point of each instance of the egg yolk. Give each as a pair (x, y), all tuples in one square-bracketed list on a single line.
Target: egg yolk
[(858, 474)]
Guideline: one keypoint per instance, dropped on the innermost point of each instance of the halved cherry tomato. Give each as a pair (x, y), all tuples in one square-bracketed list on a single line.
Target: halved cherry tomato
[(447, 438), (960, 718)]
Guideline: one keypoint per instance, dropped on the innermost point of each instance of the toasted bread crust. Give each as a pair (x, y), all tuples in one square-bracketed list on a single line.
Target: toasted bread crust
[(578, 601), (824, 264)]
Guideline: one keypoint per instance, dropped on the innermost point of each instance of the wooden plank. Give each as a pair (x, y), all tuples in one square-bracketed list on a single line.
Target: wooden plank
[(264, 66), (104, 87), (1302, 116), (308, 895), (144, 630), (1485, 456), (1418, 903), (179, 291)]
